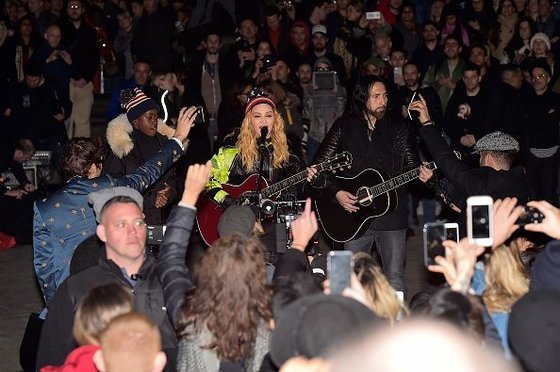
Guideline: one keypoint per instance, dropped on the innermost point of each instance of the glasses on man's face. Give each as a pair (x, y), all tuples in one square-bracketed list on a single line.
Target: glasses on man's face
[(538, 77), (322, 69)]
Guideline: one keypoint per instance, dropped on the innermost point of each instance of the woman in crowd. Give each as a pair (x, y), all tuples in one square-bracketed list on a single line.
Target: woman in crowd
[(503, 31), (382, 298), (519, 46), (506, 282), (225, 318), (479, 18)]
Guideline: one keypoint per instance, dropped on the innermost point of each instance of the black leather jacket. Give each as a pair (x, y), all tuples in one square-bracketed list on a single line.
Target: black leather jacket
[(389, 147)]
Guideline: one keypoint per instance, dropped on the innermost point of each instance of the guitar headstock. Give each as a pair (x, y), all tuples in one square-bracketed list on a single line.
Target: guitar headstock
[(336, 162)]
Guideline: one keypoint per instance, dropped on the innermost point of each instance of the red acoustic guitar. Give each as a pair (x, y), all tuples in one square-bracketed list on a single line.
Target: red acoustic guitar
[(209, 212)]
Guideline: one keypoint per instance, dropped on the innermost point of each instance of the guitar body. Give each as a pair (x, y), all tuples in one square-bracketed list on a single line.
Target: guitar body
[(341, 225), (209, 212)]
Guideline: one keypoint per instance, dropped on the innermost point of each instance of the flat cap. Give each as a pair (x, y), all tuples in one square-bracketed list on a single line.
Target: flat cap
[(496, 141)]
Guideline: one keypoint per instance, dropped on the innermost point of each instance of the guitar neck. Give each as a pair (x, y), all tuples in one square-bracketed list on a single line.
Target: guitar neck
[(399, 180), (290, 181)]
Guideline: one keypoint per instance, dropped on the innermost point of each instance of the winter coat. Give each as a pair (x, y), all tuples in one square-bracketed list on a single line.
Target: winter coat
[(130, 149)]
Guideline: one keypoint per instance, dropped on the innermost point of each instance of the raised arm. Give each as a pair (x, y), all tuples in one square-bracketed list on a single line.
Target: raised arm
[(171, 268)]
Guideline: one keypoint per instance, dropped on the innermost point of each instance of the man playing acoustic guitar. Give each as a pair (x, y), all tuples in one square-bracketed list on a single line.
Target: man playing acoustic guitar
[(366, 205)]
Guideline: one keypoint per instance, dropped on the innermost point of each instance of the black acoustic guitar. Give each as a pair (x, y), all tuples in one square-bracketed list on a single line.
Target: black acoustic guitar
[(374, 201)]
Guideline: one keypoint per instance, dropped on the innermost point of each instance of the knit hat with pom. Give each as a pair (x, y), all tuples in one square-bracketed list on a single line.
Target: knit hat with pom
[(136, 103)]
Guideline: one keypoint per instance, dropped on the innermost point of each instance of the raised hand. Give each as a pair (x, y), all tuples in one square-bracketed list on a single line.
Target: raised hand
[(551, 222), (185, 123), (304, 227), (197, 178), (505, 215)]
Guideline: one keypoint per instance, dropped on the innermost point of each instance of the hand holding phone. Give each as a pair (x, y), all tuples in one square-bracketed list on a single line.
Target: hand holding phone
[(339, 270), (480, 224)]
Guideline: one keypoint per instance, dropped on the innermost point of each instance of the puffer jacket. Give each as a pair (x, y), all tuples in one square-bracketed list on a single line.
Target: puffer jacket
[(129, 150)]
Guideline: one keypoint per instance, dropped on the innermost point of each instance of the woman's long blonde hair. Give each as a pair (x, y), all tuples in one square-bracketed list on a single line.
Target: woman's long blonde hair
[(506, 279), (247, 143), (381, 296)]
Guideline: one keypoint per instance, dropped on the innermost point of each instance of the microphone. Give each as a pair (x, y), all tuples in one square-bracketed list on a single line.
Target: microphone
[(264, 133)]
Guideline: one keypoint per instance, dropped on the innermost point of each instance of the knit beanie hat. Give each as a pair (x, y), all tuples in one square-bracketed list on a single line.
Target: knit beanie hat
[(257, 96), (540, 36), (136, 103)]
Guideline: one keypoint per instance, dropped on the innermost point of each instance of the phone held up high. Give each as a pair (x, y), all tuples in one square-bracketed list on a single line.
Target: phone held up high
[(339, 270), (480, 227)]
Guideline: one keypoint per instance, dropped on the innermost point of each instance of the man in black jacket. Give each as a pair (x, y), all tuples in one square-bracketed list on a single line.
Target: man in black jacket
[(123, 230), (374, 141), (496, 176)]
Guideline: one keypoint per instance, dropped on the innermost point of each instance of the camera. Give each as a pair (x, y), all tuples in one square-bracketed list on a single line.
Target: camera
[(373, 15), (530, 215), (268, 61), (156, 234), (480, 227), (339, 270)]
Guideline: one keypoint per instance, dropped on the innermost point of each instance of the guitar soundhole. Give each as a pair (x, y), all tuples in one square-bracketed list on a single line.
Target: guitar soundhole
[(365, 198)]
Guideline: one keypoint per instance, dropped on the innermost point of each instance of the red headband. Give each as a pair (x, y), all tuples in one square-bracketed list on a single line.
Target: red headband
[(258, 100)]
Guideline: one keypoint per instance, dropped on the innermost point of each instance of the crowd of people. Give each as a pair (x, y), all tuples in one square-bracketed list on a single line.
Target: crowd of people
[(224, 121)]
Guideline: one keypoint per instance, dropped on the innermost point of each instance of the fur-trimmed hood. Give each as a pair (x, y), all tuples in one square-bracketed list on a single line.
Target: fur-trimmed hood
[(118, 135)]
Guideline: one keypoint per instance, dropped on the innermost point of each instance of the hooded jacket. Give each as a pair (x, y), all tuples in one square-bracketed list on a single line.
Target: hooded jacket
[(130, 148)]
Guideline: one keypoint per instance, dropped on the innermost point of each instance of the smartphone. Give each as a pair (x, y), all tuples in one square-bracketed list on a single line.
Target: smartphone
[(199, 118), (451, 231), (480, 229), (339, 270), (156, 234), (397, 71), (324, 80), (373, 15), (434, 235)]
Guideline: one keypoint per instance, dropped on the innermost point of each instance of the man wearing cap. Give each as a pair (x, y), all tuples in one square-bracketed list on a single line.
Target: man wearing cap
[(541, 138), (123, 230), (65, 219), (495, 177), (319, 41)]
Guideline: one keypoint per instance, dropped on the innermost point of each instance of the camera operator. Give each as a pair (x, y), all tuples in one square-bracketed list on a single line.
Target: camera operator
[(496, 176)]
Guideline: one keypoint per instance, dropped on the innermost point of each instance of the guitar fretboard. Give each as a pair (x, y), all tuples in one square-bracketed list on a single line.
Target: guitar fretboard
[(290, 181), (400, 180)]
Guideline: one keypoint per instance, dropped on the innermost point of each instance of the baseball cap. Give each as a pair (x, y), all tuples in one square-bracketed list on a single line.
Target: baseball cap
[(99, 198), (319, 28)]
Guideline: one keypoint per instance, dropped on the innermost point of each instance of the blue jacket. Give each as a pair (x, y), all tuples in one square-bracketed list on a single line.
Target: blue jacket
[(65, 219)]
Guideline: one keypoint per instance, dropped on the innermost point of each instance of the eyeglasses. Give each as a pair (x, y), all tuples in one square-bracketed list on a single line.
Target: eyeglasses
[(539, 77), (322, 69), (74, 7)]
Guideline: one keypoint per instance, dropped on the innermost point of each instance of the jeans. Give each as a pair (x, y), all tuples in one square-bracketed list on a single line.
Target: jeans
[(391, 246)]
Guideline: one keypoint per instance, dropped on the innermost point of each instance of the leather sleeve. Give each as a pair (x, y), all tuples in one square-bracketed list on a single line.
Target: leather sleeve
[(405, 144), (329, 147)]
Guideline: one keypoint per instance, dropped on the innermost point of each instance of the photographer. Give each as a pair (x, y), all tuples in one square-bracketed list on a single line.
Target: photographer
[(324, 103)]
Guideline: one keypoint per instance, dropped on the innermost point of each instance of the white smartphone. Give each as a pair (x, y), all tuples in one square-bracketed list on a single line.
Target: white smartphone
[(480, 227), (451, 231), (373, 15), (339, 270)]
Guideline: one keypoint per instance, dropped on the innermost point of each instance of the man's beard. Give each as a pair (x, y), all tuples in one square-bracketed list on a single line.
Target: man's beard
[(378, 113)]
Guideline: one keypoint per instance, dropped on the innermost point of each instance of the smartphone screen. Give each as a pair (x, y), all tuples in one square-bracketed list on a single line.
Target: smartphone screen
[(452, 232), (434, 235), (339, 270), (480, 221)]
